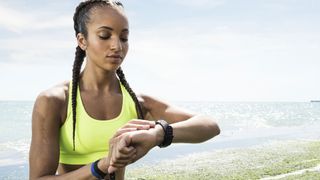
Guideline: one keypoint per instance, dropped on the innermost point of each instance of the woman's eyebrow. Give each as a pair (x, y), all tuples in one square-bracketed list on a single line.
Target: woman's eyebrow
[(105, 27), (111, 29)]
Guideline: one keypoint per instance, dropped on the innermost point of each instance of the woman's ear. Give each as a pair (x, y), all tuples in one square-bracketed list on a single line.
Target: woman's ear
[(82, 42)]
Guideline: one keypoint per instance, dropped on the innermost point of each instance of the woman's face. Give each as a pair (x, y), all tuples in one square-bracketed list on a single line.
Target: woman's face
[(107, 40)]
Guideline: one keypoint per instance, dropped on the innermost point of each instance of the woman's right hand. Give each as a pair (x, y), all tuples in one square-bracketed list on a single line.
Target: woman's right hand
[(120, 151)]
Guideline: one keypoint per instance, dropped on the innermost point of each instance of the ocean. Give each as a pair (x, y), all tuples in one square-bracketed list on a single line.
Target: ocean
[(243, 124)]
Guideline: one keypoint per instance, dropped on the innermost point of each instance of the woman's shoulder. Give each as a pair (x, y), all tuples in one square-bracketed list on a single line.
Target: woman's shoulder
[(158, 108), (53, 101), (149, 101), (57, 93)]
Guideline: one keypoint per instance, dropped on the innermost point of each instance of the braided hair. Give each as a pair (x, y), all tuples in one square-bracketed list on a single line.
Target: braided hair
[(81, 18)]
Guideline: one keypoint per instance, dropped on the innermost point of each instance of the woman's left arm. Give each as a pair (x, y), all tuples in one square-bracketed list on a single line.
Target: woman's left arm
[(187, 126)]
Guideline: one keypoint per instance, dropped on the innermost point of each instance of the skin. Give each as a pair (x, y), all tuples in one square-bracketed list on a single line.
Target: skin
[(99, 85)]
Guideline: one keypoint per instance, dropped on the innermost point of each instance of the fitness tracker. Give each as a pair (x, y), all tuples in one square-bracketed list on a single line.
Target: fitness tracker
[(168, 133)]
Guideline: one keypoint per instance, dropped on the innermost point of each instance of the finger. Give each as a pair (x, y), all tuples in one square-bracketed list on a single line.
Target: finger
[(133, 158), (144, 127), (142, 122), (127, 150), (124, 156), (127, 156), (138, 126), (124, 130), (117, 155), (120, 162), (112, 169), (118, 166), (124, 141)]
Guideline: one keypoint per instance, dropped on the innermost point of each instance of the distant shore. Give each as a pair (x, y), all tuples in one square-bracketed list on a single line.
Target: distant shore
[(289, 159)]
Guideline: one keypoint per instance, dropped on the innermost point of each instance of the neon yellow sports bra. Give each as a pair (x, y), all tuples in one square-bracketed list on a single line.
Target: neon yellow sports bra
[(92, 136)]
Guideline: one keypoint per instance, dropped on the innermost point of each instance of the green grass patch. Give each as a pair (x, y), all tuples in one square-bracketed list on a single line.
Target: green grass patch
[(304, 176), (241, 163)]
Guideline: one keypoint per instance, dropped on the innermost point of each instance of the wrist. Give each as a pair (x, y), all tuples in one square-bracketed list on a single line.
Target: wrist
[(104, 164), (99, 169)]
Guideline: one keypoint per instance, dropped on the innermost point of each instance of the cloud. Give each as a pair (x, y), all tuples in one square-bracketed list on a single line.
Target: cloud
[(13, 20), (37, 49), (38, 36), (223, 62), (18, 21), (192, 58)]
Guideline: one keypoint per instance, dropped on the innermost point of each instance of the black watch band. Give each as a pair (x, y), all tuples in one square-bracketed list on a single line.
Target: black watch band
[(168, 133)]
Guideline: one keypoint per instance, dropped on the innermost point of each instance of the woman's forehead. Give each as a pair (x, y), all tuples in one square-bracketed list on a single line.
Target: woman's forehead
[(108, 16)]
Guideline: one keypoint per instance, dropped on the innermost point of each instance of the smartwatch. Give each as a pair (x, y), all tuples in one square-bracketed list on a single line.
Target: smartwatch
[(168, 133)]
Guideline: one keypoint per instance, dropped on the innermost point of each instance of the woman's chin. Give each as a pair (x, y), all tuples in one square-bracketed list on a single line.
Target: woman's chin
[(111, 67)]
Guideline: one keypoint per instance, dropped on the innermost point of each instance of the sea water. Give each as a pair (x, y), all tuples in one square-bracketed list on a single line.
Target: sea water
[(242, 124), (15, 135)]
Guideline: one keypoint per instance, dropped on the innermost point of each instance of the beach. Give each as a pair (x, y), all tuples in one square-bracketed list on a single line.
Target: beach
[(275, 140)]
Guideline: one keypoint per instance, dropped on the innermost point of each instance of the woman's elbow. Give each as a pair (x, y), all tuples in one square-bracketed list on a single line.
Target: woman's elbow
[(213, 127), (216, 129)]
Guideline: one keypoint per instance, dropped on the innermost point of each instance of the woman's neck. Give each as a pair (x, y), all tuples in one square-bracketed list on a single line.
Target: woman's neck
[(99, 80)]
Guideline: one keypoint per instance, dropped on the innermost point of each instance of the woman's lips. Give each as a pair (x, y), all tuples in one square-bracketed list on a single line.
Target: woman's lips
[(115, 58)]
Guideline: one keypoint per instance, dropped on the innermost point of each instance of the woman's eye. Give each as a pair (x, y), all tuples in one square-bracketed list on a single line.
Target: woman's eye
[(124, 39), (104, 37)]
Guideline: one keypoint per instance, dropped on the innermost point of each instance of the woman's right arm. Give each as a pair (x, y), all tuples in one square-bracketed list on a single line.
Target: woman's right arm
[(44, 149)]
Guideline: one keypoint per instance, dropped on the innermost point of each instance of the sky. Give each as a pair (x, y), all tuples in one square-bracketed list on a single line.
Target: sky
[(180, 50)]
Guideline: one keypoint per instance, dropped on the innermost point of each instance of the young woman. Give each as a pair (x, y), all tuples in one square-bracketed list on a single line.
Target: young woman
[(95, 125)]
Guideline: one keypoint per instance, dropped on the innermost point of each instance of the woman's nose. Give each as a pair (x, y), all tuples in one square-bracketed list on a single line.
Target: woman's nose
[(116, 44)]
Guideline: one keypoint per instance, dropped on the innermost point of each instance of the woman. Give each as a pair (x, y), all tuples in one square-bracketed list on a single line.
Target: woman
[(95, 125)]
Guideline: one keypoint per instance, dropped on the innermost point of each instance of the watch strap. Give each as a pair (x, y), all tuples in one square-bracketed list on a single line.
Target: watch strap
[(168, 133)]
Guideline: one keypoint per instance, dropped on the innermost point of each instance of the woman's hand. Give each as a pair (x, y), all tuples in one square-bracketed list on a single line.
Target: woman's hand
[(144, 140), (121, 153), (138, 124)]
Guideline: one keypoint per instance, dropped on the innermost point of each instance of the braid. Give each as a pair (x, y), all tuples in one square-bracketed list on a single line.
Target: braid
[(130, 91), (80, 54), (81, 18)]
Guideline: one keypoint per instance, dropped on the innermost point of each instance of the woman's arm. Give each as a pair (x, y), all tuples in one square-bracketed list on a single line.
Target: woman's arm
[(44, 149), (187, 126)]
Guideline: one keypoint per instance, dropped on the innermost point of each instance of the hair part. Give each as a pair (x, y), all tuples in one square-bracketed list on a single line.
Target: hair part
[(81, 18)]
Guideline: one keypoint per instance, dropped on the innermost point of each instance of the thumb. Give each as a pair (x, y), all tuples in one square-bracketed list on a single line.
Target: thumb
[(112, 169), (125, 141)]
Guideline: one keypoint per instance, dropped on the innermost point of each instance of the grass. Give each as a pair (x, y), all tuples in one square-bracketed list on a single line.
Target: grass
[(242, 163), (307, 175)]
